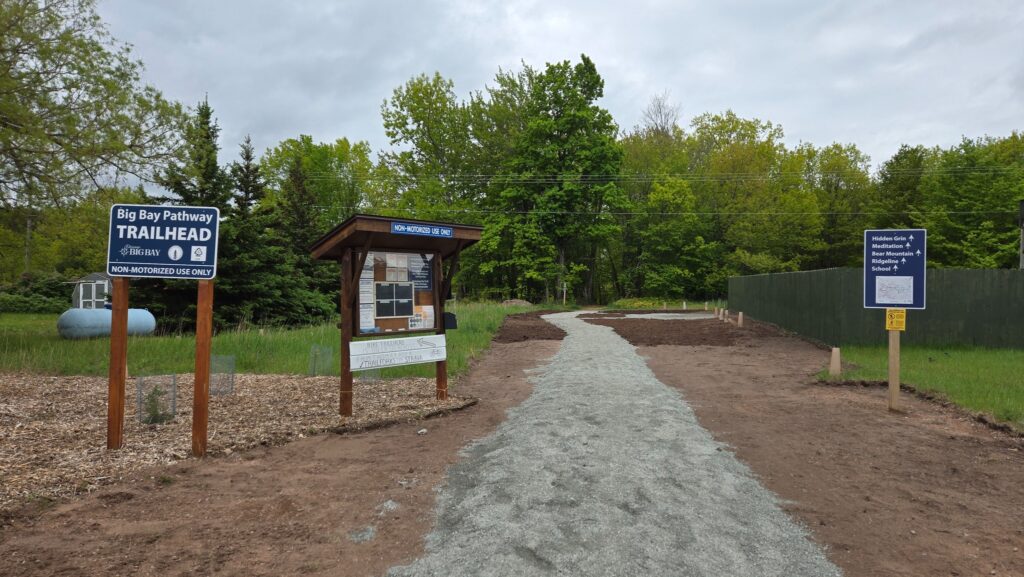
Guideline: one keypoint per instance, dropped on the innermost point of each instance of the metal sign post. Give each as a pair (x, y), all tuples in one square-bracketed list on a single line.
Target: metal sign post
[(161, 242), (895, 264)]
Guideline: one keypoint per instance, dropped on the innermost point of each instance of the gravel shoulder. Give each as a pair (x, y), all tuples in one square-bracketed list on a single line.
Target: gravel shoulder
[(604, 470)]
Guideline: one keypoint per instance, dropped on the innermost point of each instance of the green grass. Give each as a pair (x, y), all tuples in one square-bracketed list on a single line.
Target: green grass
[(656, 304), (30, 343), (986, 380)]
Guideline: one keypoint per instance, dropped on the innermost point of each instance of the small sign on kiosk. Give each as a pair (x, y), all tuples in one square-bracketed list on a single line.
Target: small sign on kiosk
[(395, 276)]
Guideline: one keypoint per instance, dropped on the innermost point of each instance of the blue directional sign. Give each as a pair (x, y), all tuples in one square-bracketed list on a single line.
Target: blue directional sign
[(422, 229), (894, 268), (163, 241)]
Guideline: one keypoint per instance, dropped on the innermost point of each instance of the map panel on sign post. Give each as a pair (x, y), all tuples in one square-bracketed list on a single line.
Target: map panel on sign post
[(894, 268), (163, 241)]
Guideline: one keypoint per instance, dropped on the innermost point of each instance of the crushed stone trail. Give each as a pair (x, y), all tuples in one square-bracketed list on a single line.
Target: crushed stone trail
[(604, 470)]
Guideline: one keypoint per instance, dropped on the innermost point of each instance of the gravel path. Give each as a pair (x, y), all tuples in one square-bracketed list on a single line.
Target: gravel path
[(605, 471)]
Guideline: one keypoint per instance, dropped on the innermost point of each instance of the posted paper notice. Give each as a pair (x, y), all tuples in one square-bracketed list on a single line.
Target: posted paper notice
[(894, 290)]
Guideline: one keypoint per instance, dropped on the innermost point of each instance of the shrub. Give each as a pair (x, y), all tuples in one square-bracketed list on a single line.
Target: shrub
[(16, 303)]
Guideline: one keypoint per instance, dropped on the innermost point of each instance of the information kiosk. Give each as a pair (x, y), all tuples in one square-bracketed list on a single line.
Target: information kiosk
[(395, 276)]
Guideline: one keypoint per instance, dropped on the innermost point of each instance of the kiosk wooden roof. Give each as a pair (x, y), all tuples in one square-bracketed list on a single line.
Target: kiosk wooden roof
[(364, 231)]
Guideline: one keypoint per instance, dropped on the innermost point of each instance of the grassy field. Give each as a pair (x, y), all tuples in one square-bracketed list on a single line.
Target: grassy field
[(30, 343), (987, 380)]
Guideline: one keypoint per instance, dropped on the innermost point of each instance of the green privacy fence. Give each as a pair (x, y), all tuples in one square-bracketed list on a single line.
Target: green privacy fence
[(965, 307)]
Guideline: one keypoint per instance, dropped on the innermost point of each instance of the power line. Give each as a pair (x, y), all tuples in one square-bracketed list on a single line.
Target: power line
[(675, 213), (643, 177)]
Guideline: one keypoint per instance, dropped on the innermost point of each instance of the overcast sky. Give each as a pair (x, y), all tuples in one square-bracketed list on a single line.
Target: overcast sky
[(877, 74)]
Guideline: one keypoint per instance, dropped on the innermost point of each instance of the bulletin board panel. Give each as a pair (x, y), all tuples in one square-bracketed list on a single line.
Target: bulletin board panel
[(396, 294)]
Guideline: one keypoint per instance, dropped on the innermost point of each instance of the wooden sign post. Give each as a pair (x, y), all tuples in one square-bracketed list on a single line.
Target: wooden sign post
[(441, 367), (118, 371), (160, 242), (201, 388), (895, 275), (347, 313), (895, 323)]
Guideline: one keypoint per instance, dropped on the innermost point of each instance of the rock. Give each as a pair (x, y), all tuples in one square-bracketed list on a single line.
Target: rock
[(421, 432), (363, 535), (388, 506)]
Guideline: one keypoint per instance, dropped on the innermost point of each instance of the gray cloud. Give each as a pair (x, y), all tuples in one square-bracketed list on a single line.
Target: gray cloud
[(877, 74)]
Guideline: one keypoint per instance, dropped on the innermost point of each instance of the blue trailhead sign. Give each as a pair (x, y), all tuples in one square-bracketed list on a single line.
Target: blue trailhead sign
[(163, 241), (894, 268)]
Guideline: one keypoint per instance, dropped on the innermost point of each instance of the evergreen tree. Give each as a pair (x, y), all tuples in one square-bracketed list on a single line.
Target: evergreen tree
[(196, 178), (294, 227), (249, 185)]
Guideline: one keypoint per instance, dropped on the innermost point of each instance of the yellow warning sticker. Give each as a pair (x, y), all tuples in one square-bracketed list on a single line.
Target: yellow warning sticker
[(895, 319)]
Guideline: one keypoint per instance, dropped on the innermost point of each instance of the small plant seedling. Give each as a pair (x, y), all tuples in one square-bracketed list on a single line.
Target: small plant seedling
[(154, 413)]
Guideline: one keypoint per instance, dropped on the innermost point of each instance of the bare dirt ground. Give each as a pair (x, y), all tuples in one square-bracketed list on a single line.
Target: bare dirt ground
[(925, 492), (527, 326), (621, 313), (353, 504)]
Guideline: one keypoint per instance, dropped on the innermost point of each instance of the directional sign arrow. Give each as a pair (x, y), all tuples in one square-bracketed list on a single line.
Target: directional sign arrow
[(908, 245), (911, 237), (895, 267), (918, 253), (904, 260)]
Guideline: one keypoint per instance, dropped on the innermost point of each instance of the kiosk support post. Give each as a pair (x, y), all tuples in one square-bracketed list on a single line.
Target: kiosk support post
[(118, 363), (345, 387), (201, 389)]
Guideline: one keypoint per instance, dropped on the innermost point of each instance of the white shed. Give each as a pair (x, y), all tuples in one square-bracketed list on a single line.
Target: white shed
[(91, 291)]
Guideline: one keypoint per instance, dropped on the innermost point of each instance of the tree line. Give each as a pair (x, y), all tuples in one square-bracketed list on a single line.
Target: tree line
[(567, 197)]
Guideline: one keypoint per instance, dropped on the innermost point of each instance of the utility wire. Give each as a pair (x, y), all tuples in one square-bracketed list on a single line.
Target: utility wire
[(651, 175), (678, 213)]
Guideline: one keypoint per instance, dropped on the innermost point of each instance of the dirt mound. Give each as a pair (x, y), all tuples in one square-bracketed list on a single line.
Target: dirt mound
[(528, 327), (650, 332), (618, 314)]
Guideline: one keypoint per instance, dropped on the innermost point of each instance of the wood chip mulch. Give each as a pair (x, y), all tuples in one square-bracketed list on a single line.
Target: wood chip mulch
[(53, 429)]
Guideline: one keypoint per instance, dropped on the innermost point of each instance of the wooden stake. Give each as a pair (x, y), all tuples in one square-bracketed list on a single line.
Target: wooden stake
[(347, 319), (894, 370), (118, 363), (705, 305), (739, 320), (835, 366), (201, 390), (440, 285), (684, 305)]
